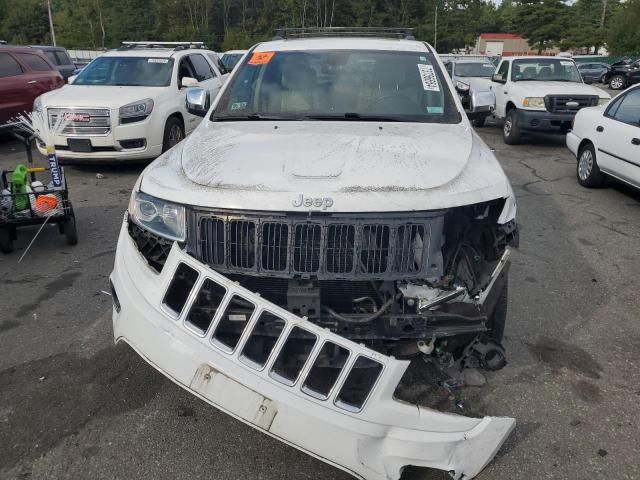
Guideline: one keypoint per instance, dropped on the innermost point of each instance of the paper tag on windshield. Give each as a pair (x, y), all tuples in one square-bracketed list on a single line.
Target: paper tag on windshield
[(157, 60), (428, 77), (566, 63), (261, 58)]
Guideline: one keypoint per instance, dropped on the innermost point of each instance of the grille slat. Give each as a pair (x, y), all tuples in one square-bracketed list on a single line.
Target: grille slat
[(99, 121), (325, 248)]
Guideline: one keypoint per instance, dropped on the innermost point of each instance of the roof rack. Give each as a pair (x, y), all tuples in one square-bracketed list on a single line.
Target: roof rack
[(169, 45), (373, 32)]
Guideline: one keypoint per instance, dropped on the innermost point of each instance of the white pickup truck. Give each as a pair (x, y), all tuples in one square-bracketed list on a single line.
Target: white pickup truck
[(540, 94)]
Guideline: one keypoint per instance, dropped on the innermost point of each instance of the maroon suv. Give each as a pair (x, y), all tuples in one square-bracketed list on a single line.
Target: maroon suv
[(25, 74)]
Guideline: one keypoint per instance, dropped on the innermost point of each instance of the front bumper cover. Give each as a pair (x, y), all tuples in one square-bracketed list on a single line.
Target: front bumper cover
[(374, 443), (543, 121)]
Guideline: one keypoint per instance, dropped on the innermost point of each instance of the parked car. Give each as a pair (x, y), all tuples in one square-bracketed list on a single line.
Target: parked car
[(540, 94), (231, 58), (470, 77), (129, 103), (606, 141), (59, 57), (623, 73), (594, 72), (333, 215), (25, 74)]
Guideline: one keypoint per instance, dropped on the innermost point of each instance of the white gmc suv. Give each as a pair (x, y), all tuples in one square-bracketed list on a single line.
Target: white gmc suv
[(129, 104), (333, 218), (540, 94)]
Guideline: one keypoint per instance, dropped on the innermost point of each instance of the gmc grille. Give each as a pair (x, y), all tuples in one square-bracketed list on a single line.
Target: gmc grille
[(324, 247), (558, 103), (98, 124)]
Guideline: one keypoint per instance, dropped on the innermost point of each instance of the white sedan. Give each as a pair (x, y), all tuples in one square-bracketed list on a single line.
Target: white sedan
[(606, 141)]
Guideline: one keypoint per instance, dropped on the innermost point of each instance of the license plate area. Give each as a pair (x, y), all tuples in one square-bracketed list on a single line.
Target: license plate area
[(82, 145)]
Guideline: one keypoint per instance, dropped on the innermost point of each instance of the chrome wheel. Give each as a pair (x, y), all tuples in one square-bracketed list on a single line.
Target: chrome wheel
[(617, 82), (585, 165), (507, 127), (175, 135)]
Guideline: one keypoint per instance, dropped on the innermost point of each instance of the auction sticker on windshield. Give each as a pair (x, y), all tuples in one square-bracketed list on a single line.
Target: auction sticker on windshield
[(261, 58), (428, 77), (157, 60)]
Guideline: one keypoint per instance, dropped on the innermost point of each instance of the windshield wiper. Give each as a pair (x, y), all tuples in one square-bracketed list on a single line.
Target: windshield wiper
[(251, 116), (353, 116)]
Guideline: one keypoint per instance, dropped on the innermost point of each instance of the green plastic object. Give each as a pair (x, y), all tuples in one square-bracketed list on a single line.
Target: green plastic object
[(19, 179)]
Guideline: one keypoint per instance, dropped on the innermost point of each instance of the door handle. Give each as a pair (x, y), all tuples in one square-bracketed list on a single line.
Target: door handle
[(32, 82), (506, 93), (635, 141), (599, 128)]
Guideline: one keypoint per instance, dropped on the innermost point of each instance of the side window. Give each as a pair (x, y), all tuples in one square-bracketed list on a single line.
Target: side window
[(185, 69), (51, 56), (629, 109), (201, 67), (504, 70), (63, 58), (34, 61), (218, 63), (8, 66)]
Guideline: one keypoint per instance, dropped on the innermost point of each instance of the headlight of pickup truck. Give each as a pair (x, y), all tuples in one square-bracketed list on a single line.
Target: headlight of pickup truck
[(604, 101), (158, 216), (136, 111), (533, 102)]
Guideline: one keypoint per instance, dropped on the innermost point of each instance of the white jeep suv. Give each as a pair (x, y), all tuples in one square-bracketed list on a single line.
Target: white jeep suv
[(540, 94), (129, 103), (332, 218)]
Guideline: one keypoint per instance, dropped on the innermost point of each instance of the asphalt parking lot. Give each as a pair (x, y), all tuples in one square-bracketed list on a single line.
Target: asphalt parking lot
[(74, 406)]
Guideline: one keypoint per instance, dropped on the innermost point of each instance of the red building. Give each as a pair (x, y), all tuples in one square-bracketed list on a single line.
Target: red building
[(507, 44)]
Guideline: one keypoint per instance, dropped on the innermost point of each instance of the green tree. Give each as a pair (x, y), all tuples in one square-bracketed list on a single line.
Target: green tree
[(623, 35), (542, 22)]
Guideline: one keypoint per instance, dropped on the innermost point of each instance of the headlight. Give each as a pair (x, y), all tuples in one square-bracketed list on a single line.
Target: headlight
[(461, 86), (136, 111), (533, 102), (603, 101), (37, 105), (158, 216)]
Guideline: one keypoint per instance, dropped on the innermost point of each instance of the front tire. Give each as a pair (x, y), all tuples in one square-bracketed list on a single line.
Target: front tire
[(617, 82), (510, 131), (173, 133), (588, 172)]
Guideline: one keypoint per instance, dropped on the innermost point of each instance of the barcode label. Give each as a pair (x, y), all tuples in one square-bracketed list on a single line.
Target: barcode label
[(428, 77)]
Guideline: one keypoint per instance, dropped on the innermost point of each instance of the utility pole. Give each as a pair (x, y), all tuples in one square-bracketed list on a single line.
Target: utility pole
[(435, 34), (53, 34)]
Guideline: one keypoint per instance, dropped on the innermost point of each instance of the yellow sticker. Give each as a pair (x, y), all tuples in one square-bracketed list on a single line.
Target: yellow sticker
[(261, 58)]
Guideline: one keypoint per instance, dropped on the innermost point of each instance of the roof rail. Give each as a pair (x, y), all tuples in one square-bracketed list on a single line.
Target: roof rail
[(171, 45), (372, 32)]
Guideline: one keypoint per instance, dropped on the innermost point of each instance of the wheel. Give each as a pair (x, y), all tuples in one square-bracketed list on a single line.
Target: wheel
[(603, 79), (617, 82), (498, 319), (510, 131), (6, 240), (69, 227), (173, 133), (479, 122), (589, 174)]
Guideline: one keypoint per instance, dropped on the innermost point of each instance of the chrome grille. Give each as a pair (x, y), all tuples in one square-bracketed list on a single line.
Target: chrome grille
[(99, 121), (326, 247), (558, 103)]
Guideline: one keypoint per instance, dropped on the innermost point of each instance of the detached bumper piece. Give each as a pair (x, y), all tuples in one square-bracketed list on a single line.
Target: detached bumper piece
[(345, 415)]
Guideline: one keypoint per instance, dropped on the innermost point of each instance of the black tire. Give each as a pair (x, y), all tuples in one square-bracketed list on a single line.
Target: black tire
[(617, 82), (603, 79), (173, 133), (510, 131), (6, 240), (479, 122), (498, 319), (70, 231), (587, 170)]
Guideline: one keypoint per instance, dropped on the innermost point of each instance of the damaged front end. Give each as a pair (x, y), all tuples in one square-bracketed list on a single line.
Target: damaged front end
[(299, 323)]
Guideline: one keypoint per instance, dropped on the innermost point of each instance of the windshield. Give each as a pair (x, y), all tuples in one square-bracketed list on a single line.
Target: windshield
[(229, 60), (339, 84), (474, 69), (127, 71), (545, 70)]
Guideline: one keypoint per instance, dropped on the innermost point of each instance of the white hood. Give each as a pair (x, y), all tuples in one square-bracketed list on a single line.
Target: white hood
[(541, 89), (97, 96), (361, 166)]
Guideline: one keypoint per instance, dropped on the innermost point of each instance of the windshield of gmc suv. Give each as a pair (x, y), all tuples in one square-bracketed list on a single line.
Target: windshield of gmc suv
[(127, 72), (545, 70), (474, 69), (338, 84)]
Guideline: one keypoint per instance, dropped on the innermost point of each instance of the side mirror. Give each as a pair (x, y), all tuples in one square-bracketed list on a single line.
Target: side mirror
[(197, 101), (71, 79), (497, 77), (188, 82)]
